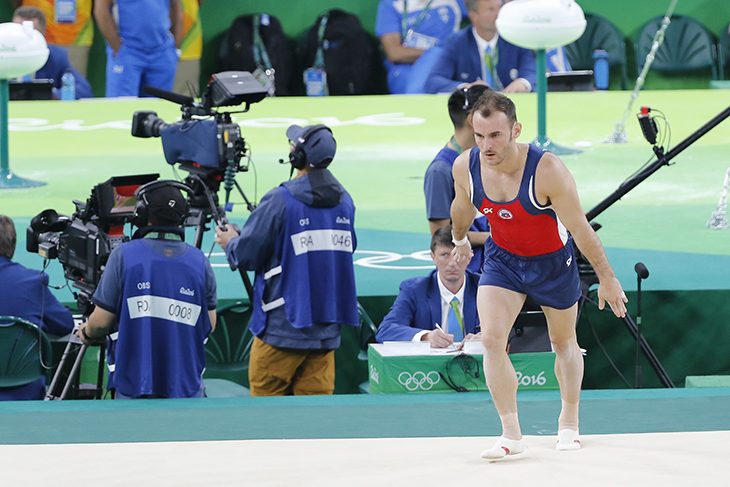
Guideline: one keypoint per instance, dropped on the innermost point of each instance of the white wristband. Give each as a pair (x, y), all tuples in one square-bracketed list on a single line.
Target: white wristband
[(460, 243)]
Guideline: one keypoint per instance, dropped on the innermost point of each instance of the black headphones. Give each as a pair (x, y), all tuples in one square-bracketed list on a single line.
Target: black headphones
[(141, 210), (298, 156)]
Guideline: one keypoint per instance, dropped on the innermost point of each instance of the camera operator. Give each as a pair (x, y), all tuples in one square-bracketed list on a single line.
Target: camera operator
[(300, 242), (156, 300), (26, 295)]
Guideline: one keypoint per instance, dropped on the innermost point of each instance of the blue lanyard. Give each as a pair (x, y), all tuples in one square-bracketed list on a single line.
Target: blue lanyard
[(404, 19)]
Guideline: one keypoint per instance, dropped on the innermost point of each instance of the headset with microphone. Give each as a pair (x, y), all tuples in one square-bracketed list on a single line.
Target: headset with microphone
[(142, 212), (298, 156)]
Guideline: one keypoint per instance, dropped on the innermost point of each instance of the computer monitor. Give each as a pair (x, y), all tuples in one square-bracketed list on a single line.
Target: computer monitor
[(35, 89), (570, 81)]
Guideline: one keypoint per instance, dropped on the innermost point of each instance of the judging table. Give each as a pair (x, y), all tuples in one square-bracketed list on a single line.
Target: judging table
[(412, 367)]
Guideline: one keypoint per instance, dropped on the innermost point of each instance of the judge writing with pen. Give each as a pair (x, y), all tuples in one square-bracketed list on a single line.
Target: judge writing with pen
[(447, 295)]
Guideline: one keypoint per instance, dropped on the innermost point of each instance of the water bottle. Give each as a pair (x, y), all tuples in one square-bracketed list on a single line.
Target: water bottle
[(600, 69), (68, 86)]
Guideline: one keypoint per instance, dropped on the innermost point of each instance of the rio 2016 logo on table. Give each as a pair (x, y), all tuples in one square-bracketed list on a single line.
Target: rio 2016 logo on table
[(419, 380), (531, 380)]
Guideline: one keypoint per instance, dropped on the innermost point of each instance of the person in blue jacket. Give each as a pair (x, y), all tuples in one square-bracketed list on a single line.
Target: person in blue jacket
[(478, 52), (26, 295), (438, 183), (439, 308), (408, 30), (142, 37), (299, 241), (57, 64), (156, 301)]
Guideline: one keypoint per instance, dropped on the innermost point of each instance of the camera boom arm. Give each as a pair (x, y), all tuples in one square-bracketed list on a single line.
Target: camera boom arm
[(654, 167)]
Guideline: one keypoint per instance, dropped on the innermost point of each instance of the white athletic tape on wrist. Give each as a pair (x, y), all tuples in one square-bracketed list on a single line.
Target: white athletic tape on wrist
[(460, 243)]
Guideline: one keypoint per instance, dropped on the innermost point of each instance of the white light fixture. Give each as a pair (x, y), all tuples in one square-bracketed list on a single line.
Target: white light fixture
[(541, 24), (23, 50)]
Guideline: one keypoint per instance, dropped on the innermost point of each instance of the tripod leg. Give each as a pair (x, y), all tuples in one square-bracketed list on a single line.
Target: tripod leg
[(70, 348), (100, 371), (648, 352), (74, 371), (633, 329)]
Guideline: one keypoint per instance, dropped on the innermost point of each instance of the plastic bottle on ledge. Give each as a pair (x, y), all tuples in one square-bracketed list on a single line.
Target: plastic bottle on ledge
[(600, 69), (68, 86)]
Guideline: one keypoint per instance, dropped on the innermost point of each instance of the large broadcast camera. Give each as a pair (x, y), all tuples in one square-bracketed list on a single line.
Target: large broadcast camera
[(83, 241), (206, 142)]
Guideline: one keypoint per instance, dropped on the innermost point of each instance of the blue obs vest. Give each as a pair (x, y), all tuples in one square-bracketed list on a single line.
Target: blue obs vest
[(316, 279), (158, 347)]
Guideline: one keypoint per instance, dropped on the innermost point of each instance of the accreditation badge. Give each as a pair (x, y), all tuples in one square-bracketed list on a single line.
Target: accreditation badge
[(267, 78), (64, 11), (315, 81), (418, 41)]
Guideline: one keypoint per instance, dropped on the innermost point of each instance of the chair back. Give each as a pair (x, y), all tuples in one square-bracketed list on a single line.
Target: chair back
[(367, 332), (600, 33), (229, 346), (24, 352), (723, 51), (687, 46)]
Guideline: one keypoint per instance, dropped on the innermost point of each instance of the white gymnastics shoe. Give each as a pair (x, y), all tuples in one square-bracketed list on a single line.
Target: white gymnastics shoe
[(503, 447), (568, 440)]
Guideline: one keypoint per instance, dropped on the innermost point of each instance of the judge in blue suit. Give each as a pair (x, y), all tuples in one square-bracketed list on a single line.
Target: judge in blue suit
[(446, 297), (57, 64), (478, 52)]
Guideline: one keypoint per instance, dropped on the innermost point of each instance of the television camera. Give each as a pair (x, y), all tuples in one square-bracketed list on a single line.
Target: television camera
[(205, 143), (83, 241)]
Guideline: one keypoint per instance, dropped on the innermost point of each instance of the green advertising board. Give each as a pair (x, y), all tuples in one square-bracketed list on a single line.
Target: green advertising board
[(449, 372)]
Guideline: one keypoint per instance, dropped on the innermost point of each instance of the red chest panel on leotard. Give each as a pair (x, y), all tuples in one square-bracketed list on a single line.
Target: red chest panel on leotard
[(520, 226)]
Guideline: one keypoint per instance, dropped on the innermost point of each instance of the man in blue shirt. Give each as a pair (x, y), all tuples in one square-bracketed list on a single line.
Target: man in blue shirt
[(156, 302), (407, 30), (439, 308), (478, 52), (141, 43), (57, 64), (300, 242), (25, 295), (438, 184)]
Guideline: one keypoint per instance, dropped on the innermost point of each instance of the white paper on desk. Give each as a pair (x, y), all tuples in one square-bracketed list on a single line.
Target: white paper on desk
[(473, 347), (470, 347), (453, 348), (404, 348)]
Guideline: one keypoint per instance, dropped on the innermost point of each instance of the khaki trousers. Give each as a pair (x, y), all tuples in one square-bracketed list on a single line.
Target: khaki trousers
[(284, 371)]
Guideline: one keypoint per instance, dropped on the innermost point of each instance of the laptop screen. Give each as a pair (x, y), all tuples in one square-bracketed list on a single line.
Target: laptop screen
[(35, 89), (570, 81)]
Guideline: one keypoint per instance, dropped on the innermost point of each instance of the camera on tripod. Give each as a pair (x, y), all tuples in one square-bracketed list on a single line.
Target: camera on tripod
[(83, 241), (206, 142)]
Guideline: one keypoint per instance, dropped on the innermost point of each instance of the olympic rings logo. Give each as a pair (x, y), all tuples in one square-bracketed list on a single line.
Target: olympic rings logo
[(419, 380)]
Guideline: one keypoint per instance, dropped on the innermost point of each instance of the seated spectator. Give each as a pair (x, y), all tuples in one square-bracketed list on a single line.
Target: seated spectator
[(438, 184), (440, 308), (57, 64), (478, 52), (156, 302), (70, 28), (409, 28), (26, 295)]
